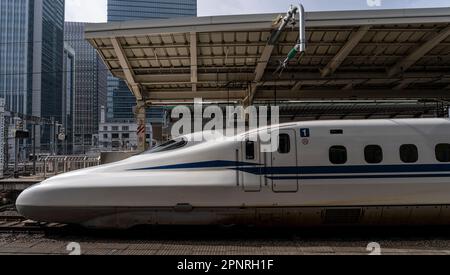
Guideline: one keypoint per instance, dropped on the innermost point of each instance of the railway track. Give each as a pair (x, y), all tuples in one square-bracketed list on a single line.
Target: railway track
[(18, 224), (11, 221)]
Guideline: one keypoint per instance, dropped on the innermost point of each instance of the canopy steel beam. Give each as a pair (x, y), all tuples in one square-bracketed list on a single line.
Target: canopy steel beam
[(353, 84), (349, 86), (420, 52), (261, 44), (174, 78), (295, 81), (259, 72), (353, 94), (264, 22), (127, 69), (159, 96), (297, 86), (288, 95), (345, 51), (404, 84)]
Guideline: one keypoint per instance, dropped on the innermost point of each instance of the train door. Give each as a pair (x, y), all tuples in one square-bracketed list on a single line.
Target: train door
[(251, 175), (284, 175)]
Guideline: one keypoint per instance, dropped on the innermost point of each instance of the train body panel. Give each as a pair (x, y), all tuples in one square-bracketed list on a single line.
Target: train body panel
[(388, 171)]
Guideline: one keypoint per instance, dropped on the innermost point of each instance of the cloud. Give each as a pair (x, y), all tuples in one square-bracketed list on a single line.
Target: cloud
[(223, 7), (86, 10), (96, 10)]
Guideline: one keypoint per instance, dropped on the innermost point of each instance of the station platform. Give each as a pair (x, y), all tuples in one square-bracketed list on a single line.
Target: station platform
[(206, 241)]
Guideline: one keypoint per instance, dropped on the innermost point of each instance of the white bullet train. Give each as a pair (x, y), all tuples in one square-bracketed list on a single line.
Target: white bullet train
[(368, 172)]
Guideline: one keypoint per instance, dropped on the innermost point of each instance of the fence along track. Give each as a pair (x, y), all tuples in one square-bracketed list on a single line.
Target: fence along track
[(48, 166), (54, 165)]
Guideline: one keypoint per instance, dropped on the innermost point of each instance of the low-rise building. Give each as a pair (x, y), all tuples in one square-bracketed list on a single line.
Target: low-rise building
[(120, 136)]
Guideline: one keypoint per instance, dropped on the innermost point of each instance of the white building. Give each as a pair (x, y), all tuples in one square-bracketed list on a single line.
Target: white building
[(119, 136)]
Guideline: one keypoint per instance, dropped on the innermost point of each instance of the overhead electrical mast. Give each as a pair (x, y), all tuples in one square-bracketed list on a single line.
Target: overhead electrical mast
[(300, 48)]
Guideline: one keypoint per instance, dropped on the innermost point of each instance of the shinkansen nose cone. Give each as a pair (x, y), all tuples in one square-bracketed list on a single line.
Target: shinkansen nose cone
[(75, 197), (31, 203), (54, 198)]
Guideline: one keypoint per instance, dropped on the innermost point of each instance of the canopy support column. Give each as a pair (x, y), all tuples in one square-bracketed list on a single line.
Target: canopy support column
[(140, 115)]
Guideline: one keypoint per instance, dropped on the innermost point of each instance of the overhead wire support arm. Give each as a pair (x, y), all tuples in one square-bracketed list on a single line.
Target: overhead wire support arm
[(300, 48), (285, 21)]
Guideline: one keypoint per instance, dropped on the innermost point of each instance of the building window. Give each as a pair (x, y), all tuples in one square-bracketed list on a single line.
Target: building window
[(443, 152), (409, 153), (116, 144), (125, 128), (105, 128), (115, 136), (285, 144), (115, 128), (338, 155), (125, 135), (373, 154), (105, 136)]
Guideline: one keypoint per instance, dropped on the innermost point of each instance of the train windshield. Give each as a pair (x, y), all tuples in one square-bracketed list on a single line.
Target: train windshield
[(169, 146)]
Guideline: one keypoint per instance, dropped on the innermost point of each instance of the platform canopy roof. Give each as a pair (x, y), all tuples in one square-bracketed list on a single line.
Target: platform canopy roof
[(376, 54)]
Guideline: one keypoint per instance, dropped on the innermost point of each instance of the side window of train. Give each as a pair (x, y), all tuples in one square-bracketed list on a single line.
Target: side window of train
[(285, 144), (373, 154), (443, 152), (338, 155), (409, 153), (250, 150)]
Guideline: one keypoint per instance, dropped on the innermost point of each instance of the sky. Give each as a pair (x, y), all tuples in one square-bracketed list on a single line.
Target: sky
[(96, 10)]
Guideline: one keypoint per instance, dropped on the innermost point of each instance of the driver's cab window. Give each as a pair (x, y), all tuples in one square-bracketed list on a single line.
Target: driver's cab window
[(171, 145)]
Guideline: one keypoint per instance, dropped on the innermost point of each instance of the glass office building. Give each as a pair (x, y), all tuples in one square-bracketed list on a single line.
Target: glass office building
[(50, 36), (16, 52), (125, 10), (68, 97), (120, 99), (48, 51), (31, 59), (90, 87)]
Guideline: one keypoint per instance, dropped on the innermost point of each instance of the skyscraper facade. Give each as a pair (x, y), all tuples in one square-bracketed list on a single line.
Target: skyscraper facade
[(31, 60), (68, 98), (90, 88), (120, 99), (48, 49), (16, 54), (125, 10)]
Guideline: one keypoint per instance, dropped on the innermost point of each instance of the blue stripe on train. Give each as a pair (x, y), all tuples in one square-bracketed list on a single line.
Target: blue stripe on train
[(362, 177), (360, 169), (197, 165), (257, 169)]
